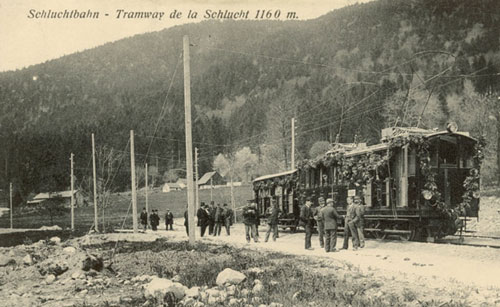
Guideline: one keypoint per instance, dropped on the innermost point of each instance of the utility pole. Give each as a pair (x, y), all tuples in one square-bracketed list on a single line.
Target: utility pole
[(96, 226), (10, 202), (197, 197), (189, 144), (146, 187), (72, 196), (132, 170), (293, 143)]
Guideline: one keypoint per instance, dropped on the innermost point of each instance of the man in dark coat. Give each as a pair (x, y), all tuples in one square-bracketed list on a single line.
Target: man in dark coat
[(272, 220), (154, 220), (202, 215), (186, 221), (307, 220), (249, 219), (228, 219), (169, 220), (211, 218), (350, 225), (330, 217), (219, 220), (144, 218)]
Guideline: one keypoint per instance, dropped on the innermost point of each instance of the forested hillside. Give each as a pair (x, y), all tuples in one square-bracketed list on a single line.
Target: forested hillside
[(351, 72)]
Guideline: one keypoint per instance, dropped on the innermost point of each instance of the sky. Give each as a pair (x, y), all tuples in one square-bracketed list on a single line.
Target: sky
[(26, 41)]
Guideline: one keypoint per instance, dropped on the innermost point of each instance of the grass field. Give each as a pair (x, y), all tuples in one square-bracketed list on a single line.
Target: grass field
[(121, 203)]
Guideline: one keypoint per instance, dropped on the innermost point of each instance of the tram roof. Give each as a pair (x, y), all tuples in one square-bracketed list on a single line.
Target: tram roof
[(274, 175)]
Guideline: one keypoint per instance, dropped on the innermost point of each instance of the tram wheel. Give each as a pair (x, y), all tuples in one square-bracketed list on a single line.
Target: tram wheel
[(409, 236), (380, 235)]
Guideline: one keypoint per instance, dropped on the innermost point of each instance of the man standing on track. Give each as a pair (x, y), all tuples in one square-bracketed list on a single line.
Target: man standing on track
[(272, 220), (169, 220), (360, 224), (330, 217), (320, 222), (307, 220), (350, 226), (249, 219)]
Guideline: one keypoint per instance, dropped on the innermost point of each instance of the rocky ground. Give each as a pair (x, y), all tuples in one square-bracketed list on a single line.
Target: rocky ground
[(160, 268)]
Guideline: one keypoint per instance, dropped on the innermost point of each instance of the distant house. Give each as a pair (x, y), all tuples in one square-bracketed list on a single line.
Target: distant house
[(182, 182), (65, 195), (211, 179), (170, 186)]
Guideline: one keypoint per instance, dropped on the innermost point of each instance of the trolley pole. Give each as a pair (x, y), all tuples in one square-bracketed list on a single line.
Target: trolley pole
[(293, 143), (96, 225), (72, 195), (10, 202), (189, 144), (196, 178), (132, 170)]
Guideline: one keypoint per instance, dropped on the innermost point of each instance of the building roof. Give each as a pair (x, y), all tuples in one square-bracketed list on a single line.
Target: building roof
[(274, 175), (173, 185), (206, 177), (40, 197)]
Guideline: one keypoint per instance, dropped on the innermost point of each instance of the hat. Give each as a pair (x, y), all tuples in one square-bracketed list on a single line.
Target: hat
[(357, 197), (321, 198), (329, 201), (308, 198)]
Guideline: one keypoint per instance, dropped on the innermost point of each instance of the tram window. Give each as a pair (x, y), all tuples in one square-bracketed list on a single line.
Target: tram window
[(448, 151), (466, 160), (412, 163), (433, 154)]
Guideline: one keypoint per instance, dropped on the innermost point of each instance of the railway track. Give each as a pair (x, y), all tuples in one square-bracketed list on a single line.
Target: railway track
[(471, 240)]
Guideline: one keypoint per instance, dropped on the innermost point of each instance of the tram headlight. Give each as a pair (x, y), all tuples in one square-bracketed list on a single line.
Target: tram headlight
[(427, 194), (476, 194), (452, 127)]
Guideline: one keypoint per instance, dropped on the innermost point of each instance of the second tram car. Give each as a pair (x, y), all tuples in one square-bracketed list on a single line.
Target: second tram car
[(415, 183)]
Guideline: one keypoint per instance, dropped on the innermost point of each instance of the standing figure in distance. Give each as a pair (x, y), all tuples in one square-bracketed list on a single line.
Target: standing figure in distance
[(350, 226), (360, 224), (307, 220), (319, 221), (202, 216), (330, 217), (219, 219), (249, 219), (211, 218), (186, 220), (169, 220), (144, 218), (154, 220), (272, 220), (228, 219)]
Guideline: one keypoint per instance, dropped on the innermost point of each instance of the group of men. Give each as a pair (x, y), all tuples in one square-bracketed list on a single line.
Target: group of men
[(214, 217), (251, 219), (326, 218), (154, 219)]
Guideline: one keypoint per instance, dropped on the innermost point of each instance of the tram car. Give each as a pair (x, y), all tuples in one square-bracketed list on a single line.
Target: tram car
[(416, 184)]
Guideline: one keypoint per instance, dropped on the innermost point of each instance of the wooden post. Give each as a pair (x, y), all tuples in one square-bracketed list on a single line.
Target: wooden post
[(197, 197), (96, 226), (132, 171), (189, 144), (211, 190), (72, 195), (10, 202), (293, 143), (232, 194), (146, 187)]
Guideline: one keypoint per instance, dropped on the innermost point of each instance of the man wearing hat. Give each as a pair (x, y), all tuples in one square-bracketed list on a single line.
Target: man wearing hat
[(272, 221), (330, 216), (360, 224), (319, 221), (350, 224), (249, 217), (202, 216), (307, 220), (169, 220)]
